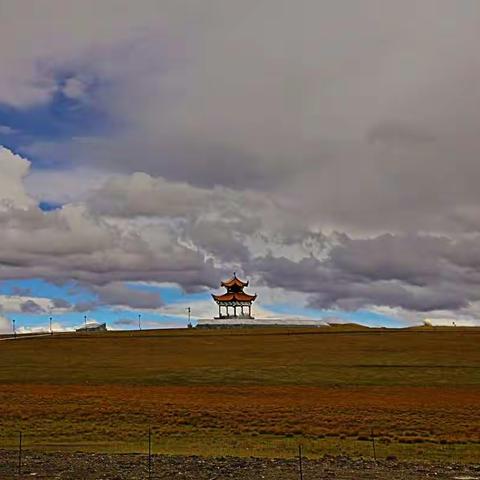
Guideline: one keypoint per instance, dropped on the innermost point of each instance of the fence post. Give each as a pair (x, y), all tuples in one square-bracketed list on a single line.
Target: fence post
[(373, 445), (300, 462), (149, 453), (19, 453)]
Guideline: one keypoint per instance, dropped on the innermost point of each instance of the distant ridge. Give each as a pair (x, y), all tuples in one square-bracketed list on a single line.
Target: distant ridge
[(349, 325)]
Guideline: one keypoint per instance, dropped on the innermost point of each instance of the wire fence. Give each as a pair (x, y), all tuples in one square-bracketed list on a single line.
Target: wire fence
[(28, 456), (25, 463)]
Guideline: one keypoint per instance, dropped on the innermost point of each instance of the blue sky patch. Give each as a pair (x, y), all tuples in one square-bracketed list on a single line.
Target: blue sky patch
[(49, 206), (69, 113), (124, 318)]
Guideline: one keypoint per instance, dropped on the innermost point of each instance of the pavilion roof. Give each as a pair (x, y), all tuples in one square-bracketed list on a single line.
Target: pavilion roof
[(234, 296), (234, 281)]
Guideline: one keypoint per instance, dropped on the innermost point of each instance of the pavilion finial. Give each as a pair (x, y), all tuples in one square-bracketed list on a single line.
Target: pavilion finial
[(234, 281)]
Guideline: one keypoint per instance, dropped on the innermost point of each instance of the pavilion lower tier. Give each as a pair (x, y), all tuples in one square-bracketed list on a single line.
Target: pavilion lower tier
[(234, 310)]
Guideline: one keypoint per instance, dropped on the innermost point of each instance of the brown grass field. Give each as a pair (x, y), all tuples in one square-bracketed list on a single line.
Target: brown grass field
[(247, 392)]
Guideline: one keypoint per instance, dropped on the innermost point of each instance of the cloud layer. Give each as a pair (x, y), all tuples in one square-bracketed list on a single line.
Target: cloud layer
[(329, 149), (139, 228)]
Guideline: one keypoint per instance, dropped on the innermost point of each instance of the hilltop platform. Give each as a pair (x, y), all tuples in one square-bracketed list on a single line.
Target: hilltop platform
[(258, 322)]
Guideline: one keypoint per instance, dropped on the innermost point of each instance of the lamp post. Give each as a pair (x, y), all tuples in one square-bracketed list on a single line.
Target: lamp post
[(50, 325), (139, 321), (189, 310), (14, 329), (85, 321)]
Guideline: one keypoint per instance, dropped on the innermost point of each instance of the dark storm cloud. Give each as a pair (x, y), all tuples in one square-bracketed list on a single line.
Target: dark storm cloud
[(417, 273), (83, 307), (414, 259), (61, 303), (30, 306), (343, 104), (120, 294)]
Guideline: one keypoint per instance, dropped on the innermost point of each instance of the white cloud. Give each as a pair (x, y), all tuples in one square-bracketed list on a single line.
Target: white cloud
[(75, 88), (5, 325), (13, 169), (6, 130), (29, 304), (56, 327), (78, 244), (64, 186)]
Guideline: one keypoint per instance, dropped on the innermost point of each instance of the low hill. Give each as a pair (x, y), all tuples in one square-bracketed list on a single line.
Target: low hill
[(341, 355)]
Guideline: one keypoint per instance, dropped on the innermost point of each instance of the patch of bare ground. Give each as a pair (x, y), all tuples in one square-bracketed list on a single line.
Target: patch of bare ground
[(82, 466)]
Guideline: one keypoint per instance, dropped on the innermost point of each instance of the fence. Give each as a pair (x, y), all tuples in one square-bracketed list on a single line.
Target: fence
[(26, 458), (36, 460)]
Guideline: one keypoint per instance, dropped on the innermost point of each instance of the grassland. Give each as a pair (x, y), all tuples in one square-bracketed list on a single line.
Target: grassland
[(247, 391)]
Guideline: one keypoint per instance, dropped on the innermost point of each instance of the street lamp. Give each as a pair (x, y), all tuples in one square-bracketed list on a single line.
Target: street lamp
[(189, 310), (14, 329), (139, 321), (50, 322), (85, 321)]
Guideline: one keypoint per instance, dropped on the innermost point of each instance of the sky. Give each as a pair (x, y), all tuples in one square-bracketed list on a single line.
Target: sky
[(327, 151)]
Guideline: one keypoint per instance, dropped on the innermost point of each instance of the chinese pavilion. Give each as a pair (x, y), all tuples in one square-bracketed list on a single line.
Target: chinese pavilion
[(234, 303)]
